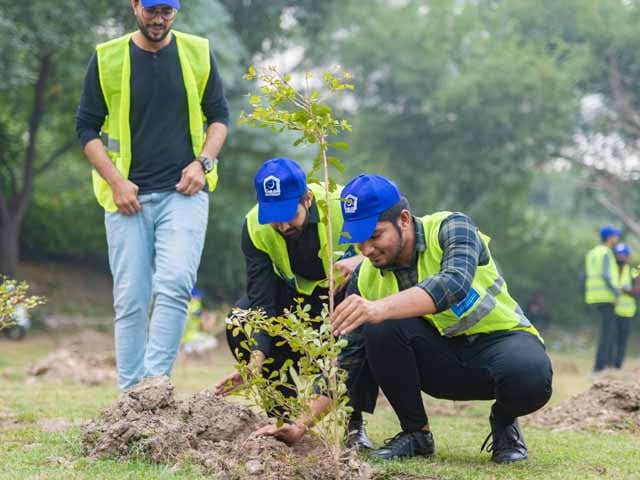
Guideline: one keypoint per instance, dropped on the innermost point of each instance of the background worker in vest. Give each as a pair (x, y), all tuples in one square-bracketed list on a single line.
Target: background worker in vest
[(602, 292), (147, 94), (282, 240), (436, 317), (625, 306)]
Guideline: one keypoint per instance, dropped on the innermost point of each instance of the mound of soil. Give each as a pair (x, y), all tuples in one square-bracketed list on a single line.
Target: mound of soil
[(148, 422), (87, 358), (608, 405)]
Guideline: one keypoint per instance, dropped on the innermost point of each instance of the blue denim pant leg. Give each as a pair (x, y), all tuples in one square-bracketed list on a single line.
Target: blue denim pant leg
[(156, 250), (180, 228), (130, 241)]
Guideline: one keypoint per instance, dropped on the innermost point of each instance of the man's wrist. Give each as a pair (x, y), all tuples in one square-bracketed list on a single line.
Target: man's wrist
[(207, 163)]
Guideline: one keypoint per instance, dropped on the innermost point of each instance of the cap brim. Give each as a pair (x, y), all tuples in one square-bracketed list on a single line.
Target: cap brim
[(358, 231), (152, 3), (282, 211)]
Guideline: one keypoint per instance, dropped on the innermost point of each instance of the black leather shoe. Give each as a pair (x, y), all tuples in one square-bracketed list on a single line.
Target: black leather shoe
[(357, 438), (507, 445), (405, 445)]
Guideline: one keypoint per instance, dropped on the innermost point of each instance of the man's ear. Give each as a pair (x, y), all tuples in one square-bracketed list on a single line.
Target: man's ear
[(308, 199), (405, 219)]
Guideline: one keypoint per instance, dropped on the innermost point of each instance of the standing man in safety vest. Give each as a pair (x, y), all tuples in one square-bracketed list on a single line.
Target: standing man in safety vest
[(149, 94), (602, 291), (284, 242), (436, 317), (626, 306)]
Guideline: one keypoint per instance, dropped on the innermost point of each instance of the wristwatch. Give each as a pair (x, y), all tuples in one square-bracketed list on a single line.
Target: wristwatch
[(207, 163)]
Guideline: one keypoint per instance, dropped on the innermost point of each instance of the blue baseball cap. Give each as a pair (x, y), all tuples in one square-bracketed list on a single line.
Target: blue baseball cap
[(622, 249), (280, 182), (363, 200), (152, 3), (609, 231)]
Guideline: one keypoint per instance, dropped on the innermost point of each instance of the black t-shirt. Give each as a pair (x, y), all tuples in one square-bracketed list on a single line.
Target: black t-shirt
[(160, 140)]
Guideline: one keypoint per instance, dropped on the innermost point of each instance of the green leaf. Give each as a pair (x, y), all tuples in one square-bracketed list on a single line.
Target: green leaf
[(340, 145), (335, 161)]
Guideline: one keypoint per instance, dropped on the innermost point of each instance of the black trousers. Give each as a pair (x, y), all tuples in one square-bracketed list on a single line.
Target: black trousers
[(622, 330), (605, 355), (361, 386), (410, 356)]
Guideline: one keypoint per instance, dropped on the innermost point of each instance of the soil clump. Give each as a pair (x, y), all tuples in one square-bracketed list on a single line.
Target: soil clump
[(87, 358), (609, 405), (209, 431)]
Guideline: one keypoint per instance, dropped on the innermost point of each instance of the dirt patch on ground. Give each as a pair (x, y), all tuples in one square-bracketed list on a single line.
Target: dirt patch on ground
[(87, 358), (608, 405), (148, 422), (8, 420)]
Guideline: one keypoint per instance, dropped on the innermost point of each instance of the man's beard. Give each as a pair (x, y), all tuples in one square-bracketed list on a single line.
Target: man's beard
[(144, 29), (295, 232)]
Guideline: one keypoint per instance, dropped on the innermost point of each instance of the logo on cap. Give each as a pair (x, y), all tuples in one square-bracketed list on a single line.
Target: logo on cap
[(350, 204), (271, 186)]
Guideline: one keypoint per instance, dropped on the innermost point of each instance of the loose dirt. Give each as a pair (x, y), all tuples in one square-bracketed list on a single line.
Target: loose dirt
[(87, 358), (147, 422), (609, 404)]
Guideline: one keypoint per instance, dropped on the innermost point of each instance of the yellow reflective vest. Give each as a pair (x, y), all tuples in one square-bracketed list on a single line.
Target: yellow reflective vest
[(192, 327), (268, 240), (488, 307), (114, 72), (596, 288), (626, 305)]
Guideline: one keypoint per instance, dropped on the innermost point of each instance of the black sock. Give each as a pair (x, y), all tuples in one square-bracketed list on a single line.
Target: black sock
[(355, 420)]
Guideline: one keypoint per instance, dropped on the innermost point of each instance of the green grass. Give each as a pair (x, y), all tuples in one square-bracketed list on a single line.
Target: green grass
[(29, 451)]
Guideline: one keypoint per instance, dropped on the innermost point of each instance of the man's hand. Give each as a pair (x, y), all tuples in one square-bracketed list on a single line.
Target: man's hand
[(288, 433), (125, 196), (353, 312), (192, 179), (234, 381), (228, 384), (346, 268)]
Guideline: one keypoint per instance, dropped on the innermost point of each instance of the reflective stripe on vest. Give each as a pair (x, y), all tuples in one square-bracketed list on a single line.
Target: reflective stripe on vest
[(268, 240), (626, 304), (596, 288), (488, 306), (114, 72)]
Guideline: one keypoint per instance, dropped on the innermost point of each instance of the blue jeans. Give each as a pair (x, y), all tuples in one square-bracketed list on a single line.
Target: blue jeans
[(154, 257)]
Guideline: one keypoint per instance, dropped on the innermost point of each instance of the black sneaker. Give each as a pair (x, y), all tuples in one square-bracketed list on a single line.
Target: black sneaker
[(405, 445), (507, 445), (357, 437)]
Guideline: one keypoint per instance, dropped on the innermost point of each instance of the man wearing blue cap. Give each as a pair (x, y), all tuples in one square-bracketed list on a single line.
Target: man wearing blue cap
[(602, 291), (284, 242), (626, 306), (140, 121), (436, 316)]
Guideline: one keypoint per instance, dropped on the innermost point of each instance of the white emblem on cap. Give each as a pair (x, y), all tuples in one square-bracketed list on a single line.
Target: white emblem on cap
[(271, 186), (350, 204)]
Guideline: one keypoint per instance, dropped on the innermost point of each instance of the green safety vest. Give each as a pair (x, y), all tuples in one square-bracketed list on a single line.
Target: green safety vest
[(488, 307), (268, 240), (626, 305), (114, 71), (596, 288)]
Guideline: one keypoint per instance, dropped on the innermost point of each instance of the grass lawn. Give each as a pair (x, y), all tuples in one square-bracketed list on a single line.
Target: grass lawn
[(40, 428)]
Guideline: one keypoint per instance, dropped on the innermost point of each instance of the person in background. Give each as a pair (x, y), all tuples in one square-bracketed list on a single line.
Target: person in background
[(537, 312), (625, 307), (602, 292)]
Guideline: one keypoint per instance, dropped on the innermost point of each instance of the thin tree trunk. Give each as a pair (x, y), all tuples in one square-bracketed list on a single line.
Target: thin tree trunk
[(10, 245)]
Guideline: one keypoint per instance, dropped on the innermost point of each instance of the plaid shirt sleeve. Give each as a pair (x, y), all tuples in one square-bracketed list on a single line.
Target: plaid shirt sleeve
[(463, 251)]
